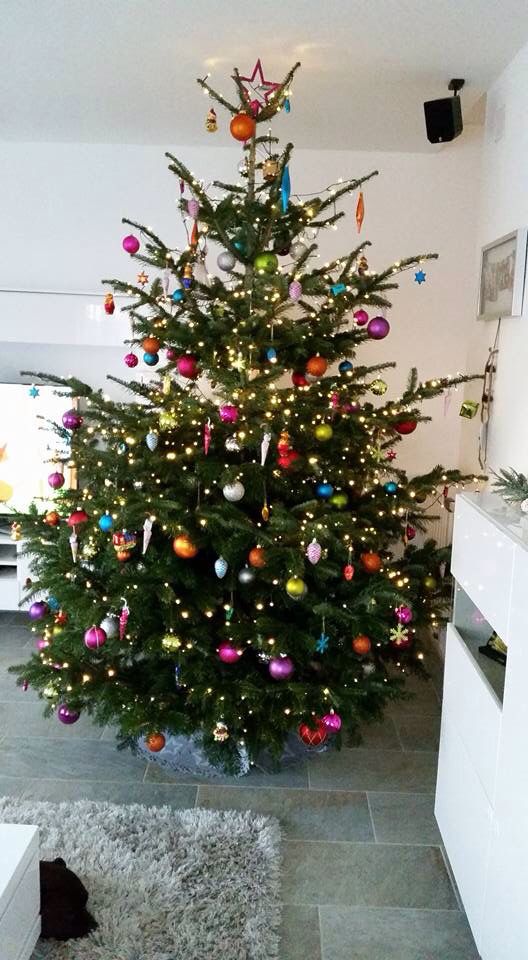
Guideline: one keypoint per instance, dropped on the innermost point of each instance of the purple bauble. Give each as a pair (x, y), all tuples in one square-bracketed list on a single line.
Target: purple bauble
[(172, 354), (332, 722), (71, 420), (193, 208), (295, 290), (94, 638), (131, 243), (361, 317), (378, 328), (131, 360), (38, 609), (228, 413), (281, 668), (56, 480), (67, 715), (403, 614), (41, 643), (228, 653)]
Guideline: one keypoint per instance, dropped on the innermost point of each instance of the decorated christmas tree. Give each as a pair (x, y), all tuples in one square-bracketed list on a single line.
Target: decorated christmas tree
[(235, 558)]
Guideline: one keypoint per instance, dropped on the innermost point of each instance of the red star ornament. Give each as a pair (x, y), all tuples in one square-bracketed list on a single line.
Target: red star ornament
[(260, 90)]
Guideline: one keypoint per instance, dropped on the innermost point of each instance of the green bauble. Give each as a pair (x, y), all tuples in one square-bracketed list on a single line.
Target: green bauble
[(429, 583), (339, 500), (379, 387), (267, 262), (323, 431), (296, 588), (170, 642)]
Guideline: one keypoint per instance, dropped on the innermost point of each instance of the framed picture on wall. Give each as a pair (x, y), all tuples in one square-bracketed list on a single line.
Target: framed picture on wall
[(502, 272)]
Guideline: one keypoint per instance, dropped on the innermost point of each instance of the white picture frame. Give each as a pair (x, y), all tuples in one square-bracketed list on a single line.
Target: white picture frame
[(502, 277)]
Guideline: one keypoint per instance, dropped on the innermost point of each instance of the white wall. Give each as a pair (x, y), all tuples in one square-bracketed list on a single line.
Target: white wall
[(504, 208), (61, 210)]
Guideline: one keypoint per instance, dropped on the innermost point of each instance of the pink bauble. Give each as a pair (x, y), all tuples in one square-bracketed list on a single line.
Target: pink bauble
[(38, 609), (131, 360), (314, 551), (228, 653), (281, 668), (66, 715), (332, 722), (403, 614), (295, 290), (94, 638), (171, 354), (71, 420), (228, 413), (361, 317), (131, 243), (41, 643), (193, 208), (187, 366), (378, 328), (56, 480)]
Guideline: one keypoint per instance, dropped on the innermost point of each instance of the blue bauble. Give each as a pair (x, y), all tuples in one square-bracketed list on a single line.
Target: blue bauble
[(177, 295), (53, 603), (151, 359), (390, 486), (240, 245), (105, 522), (345, 366), (271, 354), (324, 490)]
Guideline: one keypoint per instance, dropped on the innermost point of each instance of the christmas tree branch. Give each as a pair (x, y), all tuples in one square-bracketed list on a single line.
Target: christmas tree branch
[(230, 107)]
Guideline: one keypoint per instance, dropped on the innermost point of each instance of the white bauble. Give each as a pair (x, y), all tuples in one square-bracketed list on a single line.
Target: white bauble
[(110, 625), (232, 445), (298, 249), (226, 261), (234, 491)]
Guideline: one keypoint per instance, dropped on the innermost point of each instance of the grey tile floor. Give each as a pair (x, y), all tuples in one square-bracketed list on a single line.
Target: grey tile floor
[(364, 876)]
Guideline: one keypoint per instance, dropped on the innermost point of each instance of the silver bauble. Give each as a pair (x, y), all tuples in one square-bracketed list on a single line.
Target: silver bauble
[(298, 249), (368, 669), (151, 440), (110, 625), (232, 445), (246, 575), (234, 491), (226, 261), (221, 567)]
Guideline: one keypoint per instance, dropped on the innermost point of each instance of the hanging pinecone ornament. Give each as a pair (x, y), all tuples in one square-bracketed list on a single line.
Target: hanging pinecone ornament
[(313, 551)]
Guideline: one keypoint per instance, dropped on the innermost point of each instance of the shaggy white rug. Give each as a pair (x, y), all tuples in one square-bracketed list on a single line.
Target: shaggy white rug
[(164, 884)]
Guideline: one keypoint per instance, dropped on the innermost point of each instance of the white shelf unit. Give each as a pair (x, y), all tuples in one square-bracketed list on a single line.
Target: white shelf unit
[(14, 569), (482, 789)]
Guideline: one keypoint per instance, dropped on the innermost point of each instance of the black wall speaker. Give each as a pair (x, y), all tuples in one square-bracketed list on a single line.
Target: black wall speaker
[(443, 118)]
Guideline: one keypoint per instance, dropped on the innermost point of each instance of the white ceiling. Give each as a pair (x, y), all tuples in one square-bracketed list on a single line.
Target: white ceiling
[(123, 70)]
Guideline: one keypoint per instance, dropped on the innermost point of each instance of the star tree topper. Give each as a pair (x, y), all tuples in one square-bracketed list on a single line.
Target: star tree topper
[(258, 89)]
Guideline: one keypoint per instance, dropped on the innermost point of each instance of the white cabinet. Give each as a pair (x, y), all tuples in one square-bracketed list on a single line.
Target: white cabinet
[(19, 891), (482, 789)]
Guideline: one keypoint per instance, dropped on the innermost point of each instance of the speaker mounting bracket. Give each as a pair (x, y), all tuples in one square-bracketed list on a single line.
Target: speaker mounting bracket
[(455, 85)]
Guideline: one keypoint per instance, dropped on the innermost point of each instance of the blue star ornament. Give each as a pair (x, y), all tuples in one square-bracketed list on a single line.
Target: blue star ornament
[(322, 643), (33, 392), (420, 276)]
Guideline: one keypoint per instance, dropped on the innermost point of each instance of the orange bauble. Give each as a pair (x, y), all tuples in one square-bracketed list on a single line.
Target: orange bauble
[(361, 644), (184, 547), (151, 345), (316, 366), (242, 126), (257, 557), (371, 562), (155, 742), (52, 518), (123, 555)]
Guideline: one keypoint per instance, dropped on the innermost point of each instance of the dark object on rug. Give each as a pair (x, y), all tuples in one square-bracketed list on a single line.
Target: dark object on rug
[(63, 901), (495, 649)]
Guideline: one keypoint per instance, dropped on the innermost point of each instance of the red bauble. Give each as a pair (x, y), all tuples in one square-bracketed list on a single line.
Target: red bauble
[(361, 645), (187, 366), (109, 304), (242, 127), (131, 360), (286, 459), (371, 562), (299, 380), (348, 571), (316, 366), (313, 735), (257, 557), (155, 742), (151, 344), (405, 426)]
